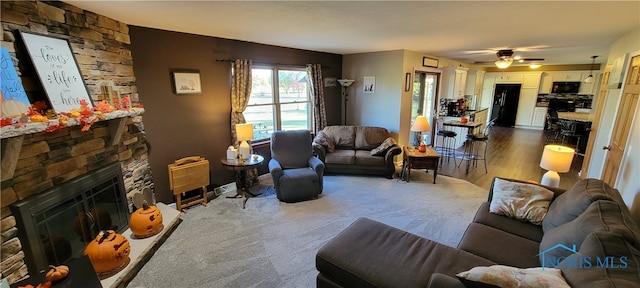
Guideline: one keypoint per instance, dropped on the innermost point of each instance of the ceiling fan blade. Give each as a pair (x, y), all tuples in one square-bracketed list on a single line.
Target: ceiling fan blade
[(532, 59)]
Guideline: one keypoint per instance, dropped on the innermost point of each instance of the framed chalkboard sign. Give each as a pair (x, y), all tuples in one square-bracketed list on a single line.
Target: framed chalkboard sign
[(14, 100), (57, 70)]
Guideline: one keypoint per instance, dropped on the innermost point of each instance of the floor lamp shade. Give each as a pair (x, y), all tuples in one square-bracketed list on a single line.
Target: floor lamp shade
[(556, 159), (244, 133)]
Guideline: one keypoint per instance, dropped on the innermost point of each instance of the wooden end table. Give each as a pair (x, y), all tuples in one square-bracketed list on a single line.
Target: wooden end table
[(241, 167), (414, 159)]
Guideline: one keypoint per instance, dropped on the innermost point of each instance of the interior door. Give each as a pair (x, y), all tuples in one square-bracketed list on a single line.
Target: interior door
[(593, 133), (622, 125), (424, 99)]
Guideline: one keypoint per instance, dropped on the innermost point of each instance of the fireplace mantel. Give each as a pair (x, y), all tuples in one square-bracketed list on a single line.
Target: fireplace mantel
[(37, 127)]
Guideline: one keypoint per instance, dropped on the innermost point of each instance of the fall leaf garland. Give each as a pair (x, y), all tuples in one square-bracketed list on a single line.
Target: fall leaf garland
[(84, 115)]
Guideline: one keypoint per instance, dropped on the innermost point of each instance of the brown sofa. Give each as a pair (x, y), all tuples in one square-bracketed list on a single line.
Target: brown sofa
[(348, 150), (590, 215)]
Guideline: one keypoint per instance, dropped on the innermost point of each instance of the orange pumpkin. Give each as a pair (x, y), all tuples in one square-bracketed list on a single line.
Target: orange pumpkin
[(146, 221), (57, 273), (109, 252)]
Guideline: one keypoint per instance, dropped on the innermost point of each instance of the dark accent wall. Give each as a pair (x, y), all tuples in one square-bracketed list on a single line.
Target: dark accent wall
[(188, 125)]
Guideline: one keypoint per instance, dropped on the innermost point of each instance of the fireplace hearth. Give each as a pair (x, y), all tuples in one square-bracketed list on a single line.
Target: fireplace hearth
[(56, 225)]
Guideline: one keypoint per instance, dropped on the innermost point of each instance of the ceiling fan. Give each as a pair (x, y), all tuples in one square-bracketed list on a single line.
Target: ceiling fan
[(506, 58)]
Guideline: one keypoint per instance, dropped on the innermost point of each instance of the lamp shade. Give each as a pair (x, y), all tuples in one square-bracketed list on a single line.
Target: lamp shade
[(420, 124), (557, 158), (345, 82), (244, 132)]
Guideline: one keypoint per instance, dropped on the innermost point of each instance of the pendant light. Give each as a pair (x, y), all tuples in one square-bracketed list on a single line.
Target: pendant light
[(589, 78)]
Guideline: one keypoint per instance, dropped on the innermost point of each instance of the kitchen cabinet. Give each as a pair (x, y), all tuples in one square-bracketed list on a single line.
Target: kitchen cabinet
[(528, 98), (567, 76), (509, 77), (546, 81), (531, 80), (539, 117), (454, 82), (475, 79), (486, 97)]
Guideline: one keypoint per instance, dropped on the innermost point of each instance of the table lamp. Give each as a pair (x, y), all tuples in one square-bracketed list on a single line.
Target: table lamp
[(420, 124), (244, 133), (555, 158)]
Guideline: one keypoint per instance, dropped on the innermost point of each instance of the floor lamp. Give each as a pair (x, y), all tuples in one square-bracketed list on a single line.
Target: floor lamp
[(345, 83), (555, 158)]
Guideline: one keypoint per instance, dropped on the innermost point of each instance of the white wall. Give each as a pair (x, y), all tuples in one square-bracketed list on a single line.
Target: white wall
[(381, 108), (627, 182)]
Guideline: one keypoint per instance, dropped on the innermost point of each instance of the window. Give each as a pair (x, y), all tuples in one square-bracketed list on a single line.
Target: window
[(282, 107)]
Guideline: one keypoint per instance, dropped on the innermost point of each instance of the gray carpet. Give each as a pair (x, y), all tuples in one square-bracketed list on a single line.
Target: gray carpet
[(273, 244)]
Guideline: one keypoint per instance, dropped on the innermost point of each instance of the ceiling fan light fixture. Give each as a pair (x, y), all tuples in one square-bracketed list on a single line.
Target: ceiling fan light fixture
[(504, 63), (589, 78)]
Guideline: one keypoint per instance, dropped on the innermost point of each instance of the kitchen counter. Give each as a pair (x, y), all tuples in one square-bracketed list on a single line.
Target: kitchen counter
[(576, 116)]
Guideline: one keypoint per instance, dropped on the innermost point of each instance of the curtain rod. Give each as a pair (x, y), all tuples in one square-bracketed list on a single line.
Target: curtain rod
[(272, 64)]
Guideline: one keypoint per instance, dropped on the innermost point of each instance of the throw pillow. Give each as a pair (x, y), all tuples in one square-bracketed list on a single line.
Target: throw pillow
[(526, 202), (382, 149), (506, 276), (325, 141)]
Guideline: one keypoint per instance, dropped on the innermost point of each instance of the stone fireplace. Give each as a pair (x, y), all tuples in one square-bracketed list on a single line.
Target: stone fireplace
[(56, 161), (35, 161), (56, 225)]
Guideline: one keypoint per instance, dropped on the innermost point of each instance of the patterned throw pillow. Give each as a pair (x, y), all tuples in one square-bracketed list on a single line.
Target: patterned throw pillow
[(325, 141), (526, 202), (382, 149), (505, 276)]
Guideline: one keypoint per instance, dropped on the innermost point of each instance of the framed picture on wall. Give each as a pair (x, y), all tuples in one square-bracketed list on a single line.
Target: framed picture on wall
[(429, 62), (57, 70), (369, 84), (407, 82), (186, 81)]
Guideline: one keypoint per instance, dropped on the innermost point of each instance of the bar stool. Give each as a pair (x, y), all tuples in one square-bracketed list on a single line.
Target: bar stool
[(448, 141), (568, 131), (472, 148), (553, 128)]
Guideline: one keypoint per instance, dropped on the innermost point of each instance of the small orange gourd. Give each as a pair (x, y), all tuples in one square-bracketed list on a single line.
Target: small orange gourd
[(146, 221), (57, 273)]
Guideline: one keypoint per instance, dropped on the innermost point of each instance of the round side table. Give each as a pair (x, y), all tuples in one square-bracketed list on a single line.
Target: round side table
[(241, 166)]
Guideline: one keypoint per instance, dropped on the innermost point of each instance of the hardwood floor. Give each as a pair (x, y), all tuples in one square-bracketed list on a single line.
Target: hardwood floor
[(511, 153)]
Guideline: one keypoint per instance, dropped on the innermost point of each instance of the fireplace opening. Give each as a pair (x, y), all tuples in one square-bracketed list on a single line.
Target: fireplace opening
[(57, 225)]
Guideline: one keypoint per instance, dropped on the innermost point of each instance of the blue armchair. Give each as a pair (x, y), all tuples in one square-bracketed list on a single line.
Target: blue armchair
[(297, 174)]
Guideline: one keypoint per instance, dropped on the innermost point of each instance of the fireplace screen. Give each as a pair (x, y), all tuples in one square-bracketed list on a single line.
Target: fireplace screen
[(56, 225)]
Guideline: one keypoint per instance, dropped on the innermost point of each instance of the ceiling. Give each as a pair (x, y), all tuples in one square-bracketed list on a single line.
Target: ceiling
[(561, 32)]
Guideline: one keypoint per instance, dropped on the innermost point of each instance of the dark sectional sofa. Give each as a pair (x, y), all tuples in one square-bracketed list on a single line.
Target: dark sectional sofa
[(591, 215)]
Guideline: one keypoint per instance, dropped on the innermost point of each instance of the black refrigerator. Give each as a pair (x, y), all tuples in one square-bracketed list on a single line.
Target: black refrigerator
[(505, 104)]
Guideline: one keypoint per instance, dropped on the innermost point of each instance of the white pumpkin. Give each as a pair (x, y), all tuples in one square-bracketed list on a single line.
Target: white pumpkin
[(13, 108)]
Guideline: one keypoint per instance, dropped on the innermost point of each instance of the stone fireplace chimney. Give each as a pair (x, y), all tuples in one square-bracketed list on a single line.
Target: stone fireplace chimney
[(33, 160)]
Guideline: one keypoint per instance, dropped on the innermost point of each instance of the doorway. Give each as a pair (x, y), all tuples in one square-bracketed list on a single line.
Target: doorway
[(423, 101)]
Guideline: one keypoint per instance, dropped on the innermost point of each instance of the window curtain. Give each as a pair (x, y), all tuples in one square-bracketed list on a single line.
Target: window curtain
[(240, 92), (314, 72)]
